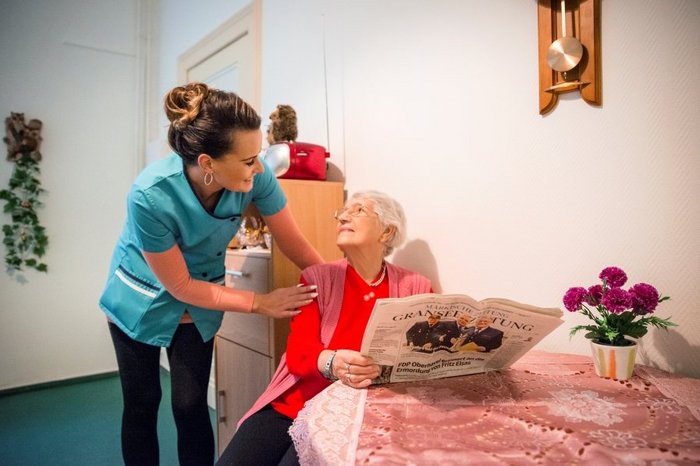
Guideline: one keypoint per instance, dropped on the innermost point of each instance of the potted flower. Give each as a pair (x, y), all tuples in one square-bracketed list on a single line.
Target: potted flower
[(617, 316)]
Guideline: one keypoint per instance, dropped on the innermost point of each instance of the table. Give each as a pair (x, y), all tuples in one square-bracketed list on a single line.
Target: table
[(548, 408)]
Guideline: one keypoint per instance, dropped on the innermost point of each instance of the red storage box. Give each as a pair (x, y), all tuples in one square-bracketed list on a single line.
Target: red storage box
[(297, 160)]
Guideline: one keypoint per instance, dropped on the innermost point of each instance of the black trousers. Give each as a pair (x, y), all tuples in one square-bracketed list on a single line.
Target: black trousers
[(139, 370), (262, 440)]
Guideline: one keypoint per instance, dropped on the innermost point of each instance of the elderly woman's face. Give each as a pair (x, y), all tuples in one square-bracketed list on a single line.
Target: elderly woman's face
[(359, 226)]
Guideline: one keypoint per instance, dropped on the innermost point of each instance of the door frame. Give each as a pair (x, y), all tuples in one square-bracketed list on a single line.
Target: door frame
[(248, 20)]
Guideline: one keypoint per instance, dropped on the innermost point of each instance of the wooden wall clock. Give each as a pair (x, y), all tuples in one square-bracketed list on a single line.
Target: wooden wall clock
[(568, 50)]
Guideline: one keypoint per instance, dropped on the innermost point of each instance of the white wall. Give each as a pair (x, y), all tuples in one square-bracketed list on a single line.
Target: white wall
[(436, 103), (70, 64)]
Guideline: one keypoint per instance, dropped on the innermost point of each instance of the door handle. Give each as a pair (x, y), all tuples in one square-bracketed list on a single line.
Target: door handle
[(221, 406)]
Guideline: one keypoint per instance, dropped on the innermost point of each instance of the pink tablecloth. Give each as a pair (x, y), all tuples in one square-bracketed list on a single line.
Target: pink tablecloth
[(547, 409)]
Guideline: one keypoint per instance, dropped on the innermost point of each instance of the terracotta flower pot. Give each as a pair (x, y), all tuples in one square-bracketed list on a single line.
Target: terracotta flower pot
[(616, 362)]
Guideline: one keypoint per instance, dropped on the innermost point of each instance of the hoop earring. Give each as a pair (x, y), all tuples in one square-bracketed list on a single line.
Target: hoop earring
[(208, 179)]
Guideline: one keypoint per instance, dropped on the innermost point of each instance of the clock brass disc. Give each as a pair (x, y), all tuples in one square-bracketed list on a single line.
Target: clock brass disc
[(564, 54)]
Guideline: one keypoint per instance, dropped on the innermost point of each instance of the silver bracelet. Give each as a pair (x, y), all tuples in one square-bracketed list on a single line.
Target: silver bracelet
[(328, 368)]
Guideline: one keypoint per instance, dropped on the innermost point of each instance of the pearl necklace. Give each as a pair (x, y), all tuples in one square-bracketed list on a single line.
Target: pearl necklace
[(375, 284)]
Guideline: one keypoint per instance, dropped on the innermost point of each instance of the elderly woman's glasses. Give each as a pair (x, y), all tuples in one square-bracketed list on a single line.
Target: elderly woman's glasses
[(355, 210)]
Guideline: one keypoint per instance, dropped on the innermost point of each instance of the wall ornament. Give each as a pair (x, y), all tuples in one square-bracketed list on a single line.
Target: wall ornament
[(568, 51), (25, 239)]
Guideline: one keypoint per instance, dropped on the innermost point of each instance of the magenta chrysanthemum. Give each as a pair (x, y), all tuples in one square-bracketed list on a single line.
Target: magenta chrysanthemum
[(616, 300), (644, 298), (595, 293), (574, 297), (613, 276), (616, 314)]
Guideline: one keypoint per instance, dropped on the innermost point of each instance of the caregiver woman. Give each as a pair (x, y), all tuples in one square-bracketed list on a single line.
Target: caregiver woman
[(167, 270)]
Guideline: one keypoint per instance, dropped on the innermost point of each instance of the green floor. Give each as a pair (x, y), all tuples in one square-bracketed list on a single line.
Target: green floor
[(75, 424)]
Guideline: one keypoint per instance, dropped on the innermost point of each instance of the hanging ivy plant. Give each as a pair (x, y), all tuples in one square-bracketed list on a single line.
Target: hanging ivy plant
[(25, 238)]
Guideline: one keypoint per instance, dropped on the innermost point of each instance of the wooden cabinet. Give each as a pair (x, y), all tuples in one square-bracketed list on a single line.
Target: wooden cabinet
[(241, 376), (248, 347)]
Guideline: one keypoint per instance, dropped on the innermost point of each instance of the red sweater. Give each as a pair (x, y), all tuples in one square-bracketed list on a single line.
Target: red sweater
[(330, 279), (304, 343)]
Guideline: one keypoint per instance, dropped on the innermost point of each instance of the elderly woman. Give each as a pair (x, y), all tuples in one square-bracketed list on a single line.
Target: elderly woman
[(326, 336)]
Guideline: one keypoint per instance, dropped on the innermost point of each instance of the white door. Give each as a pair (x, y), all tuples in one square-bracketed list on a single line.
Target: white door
[(227, 58), (229, 69)]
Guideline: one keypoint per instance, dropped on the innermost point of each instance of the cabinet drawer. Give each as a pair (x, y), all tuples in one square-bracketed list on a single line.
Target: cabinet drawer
[(249, 330), (248, 272)]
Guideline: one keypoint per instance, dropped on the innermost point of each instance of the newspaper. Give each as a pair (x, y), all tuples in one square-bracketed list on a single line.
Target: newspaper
[(431, 336)]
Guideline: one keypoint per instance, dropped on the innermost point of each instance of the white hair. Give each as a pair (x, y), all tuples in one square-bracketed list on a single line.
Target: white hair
[(390, 214)]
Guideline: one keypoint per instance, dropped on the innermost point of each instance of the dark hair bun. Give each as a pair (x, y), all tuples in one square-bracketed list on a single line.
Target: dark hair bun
[(183, 103)]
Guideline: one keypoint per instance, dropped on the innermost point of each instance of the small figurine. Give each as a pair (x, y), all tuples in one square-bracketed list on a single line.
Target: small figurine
[(23, 140), (283, 125)]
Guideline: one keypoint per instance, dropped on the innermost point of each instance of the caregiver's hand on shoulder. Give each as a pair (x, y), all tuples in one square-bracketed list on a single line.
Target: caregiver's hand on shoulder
[(284, 302)]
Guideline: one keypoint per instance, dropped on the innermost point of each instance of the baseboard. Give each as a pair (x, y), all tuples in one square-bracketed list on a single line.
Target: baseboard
[(211, 391), (57, 383)]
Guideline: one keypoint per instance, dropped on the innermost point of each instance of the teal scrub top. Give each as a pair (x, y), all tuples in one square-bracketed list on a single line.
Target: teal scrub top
[(163, 210)]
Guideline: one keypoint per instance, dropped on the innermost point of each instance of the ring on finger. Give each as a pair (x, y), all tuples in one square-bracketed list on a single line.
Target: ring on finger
[(347, 367), (347, 378)]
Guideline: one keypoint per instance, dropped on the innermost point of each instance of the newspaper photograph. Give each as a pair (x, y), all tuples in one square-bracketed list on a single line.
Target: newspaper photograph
[(432, 336)]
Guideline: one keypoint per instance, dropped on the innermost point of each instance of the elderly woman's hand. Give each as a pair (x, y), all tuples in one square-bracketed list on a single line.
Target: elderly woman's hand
[(354, 369), (284, 302)]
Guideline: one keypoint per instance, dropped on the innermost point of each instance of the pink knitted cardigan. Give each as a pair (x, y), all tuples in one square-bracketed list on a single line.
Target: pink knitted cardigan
[(330, 278)]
